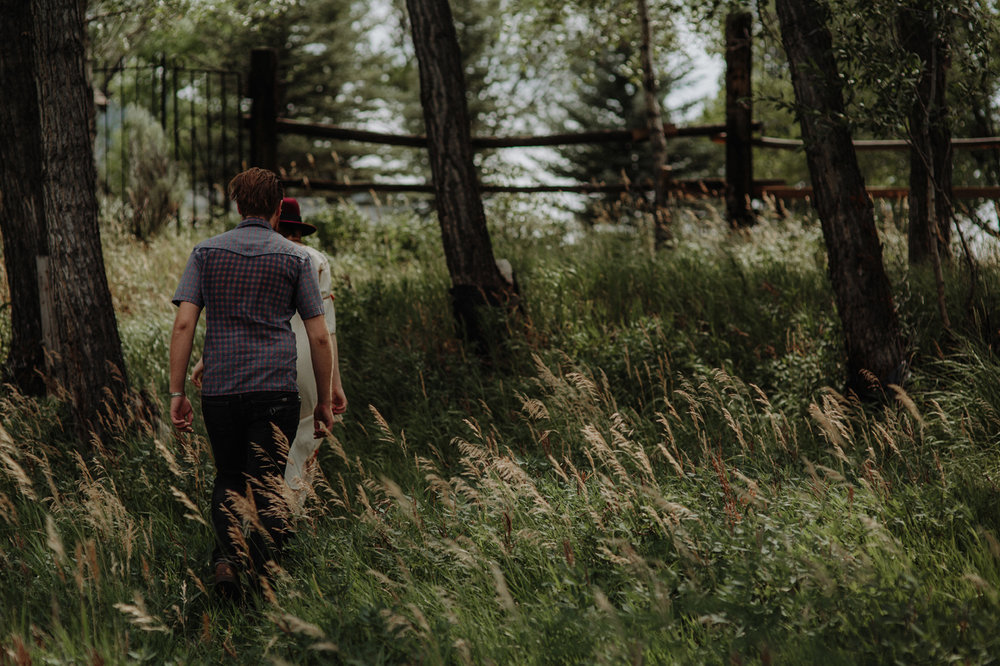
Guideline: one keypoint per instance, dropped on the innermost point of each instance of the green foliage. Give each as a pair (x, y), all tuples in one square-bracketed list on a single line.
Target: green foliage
[(330, 72), (880, 85), (379, 237), (152, 186), (658, 468)]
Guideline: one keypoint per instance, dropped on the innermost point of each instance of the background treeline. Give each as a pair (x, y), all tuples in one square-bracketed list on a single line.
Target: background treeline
[(537, 68)]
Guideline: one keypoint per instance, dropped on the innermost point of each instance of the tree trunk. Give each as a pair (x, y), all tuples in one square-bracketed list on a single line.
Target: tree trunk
[(930, 139), (62, 317), (861, 288), (654, 121), (739, 120), (22, 221), (476, 280)]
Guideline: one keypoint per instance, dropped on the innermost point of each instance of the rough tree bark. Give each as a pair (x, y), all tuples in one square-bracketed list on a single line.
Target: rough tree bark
[(476, 280), (64, 327), (654, 122), (861, 287), (739, 120), (930, 138), (22, 223)]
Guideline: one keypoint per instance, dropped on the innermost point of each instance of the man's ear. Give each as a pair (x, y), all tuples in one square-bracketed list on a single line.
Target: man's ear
[(275, 216)]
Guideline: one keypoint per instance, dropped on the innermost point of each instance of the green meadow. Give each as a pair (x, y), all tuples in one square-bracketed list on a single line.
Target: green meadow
[(656, 465)]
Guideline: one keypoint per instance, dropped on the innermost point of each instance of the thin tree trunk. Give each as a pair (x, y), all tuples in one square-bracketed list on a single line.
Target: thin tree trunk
[(861, 287), (739, 120), (476, 280), (50, 214), (930, 138), (654, 121)]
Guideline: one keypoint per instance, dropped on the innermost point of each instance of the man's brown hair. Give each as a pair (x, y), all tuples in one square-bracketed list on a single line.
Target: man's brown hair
[(257, 193)]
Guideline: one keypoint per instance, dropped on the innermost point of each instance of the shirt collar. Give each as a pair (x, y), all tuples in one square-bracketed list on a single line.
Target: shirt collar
[(255, 222)]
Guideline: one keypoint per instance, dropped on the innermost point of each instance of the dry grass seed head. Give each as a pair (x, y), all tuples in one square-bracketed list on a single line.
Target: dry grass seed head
[(621, 435), (735, 427), (830, 425), (462, 555), (503, 592), (521, 482), (8, 511), (534, 408), (475, 459), (407, 507), (168, 457), (441, 489), (244, 508), (585, 385), (368, 512), (51, 481), (752, 493), (54, 540), (558, 469), (907, 402), (18, 475), (694, 408), (545, 376), (390, 585), (198, 582), (599, 445), (662, 419), (291, 624), (463, 489), (670, 458), (195, 513), (138, 615), (386, 432), (885, 437), (396, 623)]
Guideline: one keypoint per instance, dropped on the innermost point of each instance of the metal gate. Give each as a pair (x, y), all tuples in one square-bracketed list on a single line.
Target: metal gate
[(199, 113)]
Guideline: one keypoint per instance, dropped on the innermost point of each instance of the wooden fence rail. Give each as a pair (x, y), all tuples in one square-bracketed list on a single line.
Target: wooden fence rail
[(694, 187), (785, 192), (715, 187), (327, 131), (980, 143), (738, 187)]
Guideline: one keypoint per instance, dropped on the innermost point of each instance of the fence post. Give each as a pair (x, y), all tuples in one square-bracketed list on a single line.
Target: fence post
[(739, 119), (263, 89)]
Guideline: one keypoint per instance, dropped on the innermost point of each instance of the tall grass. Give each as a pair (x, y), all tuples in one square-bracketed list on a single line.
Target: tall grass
[(660, 469)]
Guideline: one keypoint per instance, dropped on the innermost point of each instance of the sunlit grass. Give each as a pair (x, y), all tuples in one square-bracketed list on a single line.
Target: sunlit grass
[(659, 469)]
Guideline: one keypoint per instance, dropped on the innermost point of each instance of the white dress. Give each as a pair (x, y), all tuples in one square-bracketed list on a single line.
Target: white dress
[(305, 445)]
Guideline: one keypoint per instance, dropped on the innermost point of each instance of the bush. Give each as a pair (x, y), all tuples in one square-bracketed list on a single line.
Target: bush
[(153, 184)]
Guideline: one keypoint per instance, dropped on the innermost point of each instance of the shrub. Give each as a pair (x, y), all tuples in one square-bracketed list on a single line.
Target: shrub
[(153, 184)]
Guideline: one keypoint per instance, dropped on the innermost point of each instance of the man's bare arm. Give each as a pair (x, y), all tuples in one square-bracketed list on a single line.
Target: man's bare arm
[(321, 353), (181, 341)]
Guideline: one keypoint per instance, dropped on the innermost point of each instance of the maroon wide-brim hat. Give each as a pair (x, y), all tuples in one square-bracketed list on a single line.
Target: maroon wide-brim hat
[(291, 217)]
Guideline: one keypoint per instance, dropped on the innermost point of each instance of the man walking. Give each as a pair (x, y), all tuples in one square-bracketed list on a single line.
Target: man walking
[(250, 281)]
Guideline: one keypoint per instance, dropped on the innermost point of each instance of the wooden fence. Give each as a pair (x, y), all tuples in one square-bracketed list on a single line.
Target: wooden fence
[(738, 187)]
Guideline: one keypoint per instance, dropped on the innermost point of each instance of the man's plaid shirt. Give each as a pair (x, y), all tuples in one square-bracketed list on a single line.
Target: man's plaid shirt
[(250, 281)]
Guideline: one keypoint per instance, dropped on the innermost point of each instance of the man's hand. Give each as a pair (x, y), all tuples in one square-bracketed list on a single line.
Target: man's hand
[(181, 413), (322, 420), (181, 339)]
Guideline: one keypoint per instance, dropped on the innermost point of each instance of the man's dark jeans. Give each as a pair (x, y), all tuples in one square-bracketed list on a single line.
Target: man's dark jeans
[(250, 463)]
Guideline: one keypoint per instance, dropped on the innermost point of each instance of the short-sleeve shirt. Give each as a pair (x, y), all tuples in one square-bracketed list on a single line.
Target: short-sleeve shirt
[(250, 282)]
